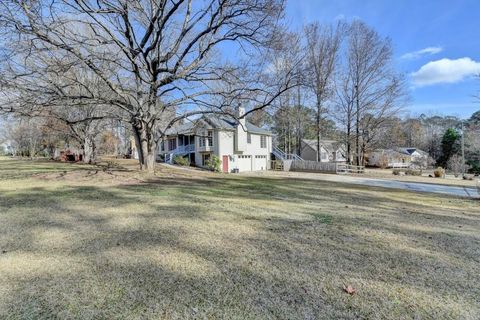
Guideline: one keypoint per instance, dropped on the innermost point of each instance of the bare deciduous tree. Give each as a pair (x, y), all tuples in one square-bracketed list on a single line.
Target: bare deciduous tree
[(372, 91), (323, 46), (156, 62), (455, 163)]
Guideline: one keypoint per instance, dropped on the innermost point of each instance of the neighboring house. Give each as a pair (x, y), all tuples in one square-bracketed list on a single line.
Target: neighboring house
[(398, 158), (240, 146), (330, 151)]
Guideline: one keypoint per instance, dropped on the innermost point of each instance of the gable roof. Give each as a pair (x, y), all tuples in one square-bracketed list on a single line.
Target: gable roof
[(214, 122), (390, 152), (329, 145), (410, 151)]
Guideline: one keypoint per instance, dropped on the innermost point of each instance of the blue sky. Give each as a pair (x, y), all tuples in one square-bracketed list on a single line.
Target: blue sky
[(436, 44)]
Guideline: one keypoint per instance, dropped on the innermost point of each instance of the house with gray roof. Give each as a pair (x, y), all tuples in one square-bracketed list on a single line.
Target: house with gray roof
[(403, 157), (240, 145), (330, 150)]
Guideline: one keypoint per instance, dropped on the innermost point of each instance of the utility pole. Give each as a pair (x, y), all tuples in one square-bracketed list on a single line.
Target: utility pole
[(463, 150), (357, 138)]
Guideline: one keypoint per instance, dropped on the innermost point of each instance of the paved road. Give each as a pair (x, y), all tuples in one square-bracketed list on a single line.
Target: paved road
[(413, 186)]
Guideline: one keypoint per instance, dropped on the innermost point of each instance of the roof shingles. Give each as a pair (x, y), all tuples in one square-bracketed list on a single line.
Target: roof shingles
[(214, 122)]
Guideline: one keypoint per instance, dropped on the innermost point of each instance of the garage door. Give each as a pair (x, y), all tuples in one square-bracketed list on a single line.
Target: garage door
[(260, 163), (244, 163)]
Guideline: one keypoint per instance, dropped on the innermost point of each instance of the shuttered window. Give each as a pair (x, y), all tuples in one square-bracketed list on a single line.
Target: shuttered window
[(263, 141)]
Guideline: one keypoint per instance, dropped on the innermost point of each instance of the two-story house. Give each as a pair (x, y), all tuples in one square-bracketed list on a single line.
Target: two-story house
[(240, 145)]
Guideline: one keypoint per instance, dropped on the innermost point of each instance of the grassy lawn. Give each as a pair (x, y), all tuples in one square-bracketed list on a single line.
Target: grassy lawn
[(79, 242)]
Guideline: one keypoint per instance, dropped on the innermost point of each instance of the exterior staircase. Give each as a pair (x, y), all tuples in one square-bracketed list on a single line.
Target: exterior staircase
[(179, 151), (280, 155)]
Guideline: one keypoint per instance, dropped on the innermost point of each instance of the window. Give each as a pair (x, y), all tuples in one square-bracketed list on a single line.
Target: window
[(249, 138), (210, 138), (206, 141), (162, 145), (261, 157), (205, 158), (324, 155), (172, 144), (263, 141)]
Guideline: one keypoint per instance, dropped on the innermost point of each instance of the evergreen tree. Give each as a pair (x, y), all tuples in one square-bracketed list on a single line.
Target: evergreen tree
[(450, 146)]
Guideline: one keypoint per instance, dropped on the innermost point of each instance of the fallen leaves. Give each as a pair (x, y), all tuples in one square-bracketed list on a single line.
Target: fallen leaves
[(349, 289)]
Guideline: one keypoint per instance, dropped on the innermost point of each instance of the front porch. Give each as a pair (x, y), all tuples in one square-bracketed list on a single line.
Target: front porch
[(180, 145)]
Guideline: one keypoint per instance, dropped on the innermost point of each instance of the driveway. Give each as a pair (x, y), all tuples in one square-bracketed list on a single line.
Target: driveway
[(394, 184)]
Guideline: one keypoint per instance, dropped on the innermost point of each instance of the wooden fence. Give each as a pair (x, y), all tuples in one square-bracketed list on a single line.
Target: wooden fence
[(314, 166), (309, 166), (348, 168)]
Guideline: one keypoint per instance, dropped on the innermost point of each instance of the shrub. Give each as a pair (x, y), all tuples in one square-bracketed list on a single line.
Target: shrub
[(413, 172), (396, 172), (474, 166), (213, 163), (439, 172), (383, 162), (456, 165), (181, 161)]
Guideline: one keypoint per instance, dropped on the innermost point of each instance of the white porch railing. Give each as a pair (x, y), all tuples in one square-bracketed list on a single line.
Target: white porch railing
[(394, 165), (184, 149), (280, 155), (180, 150)]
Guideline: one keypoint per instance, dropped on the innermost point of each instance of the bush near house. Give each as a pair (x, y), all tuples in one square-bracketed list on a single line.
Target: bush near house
[(213, 163), (407, 172), (413, 172), (439, 172), (181, 161), (383, 162)]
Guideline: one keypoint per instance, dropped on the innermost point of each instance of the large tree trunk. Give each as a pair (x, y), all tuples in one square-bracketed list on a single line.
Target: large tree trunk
[(357, 141), (357, 128), (146, 146), (349, 144), (318, 137), (319, 110), (89, 150)]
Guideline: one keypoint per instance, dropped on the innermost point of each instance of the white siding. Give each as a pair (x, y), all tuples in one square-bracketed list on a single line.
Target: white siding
[(224, 147), (254, 148), (240, 139), (225, 143)]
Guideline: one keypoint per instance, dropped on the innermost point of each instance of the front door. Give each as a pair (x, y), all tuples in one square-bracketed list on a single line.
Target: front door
[(225, 164)]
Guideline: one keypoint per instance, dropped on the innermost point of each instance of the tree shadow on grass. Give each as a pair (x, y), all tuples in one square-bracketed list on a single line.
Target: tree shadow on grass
[(159, 249)]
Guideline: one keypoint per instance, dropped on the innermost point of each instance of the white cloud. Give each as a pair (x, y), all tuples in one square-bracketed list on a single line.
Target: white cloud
[(423, 52), (445, 71)]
